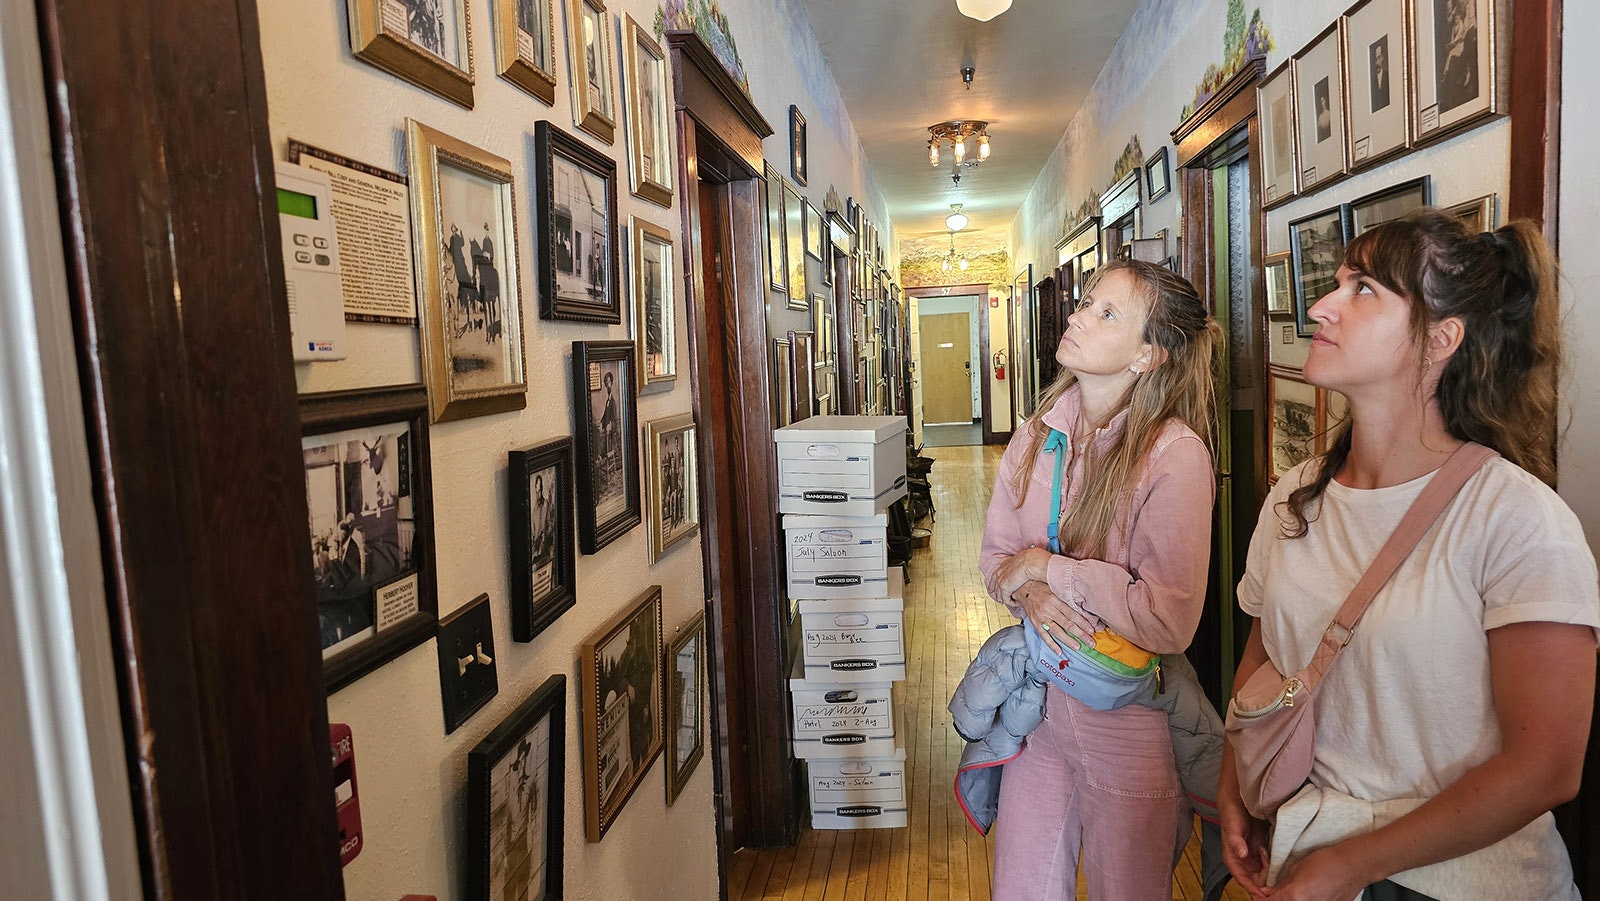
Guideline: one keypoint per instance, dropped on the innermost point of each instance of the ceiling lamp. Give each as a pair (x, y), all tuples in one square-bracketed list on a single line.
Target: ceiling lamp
[(957, 220), (952, 260), (982, 10), (956, 133)]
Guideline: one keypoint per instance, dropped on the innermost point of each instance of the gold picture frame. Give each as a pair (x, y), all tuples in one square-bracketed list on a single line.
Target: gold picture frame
[(673, 459), (589, 68), (653, 271), (469, 293), (650, 148), (432, 52), (524, 45), (1478, 213)]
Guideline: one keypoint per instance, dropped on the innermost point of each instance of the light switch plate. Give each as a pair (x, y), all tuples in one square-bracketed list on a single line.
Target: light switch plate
[(466, 681)]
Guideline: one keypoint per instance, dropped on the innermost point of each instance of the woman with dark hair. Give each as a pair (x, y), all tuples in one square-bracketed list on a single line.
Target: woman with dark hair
[(1456, 716), (1128, 425)]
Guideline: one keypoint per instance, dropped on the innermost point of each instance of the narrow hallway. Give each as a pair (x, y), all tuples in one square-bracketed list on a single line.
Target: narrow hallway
[(948, 617)]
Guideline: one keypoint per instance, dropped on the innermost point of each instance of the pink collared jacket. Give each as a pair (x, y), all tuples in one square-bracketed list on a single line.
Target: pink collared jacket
[(1151, 584)]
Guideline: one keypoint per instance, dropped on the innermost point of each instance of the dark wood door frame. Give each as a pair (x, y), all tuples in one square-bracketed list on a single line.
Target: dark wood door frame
[(981, 291), (170, 225)]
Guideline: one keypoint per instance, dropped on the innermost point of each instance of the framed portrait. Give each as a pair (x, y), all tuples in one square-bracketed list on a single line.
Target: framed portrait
[(777, 259), (1295, 419), (1479, 213), (425, 42), (516, 801), (794, 229), (620, 708), (655, 318), (1459, 76), (1316, 247), (1280, 297), (814, 236), (604, 385), (524, 45), (782, 390), (1319, 103), (1377, 104), (1275, 105), (1390, 203), (543, 580), (589, 68), (650, 147), (797, 146), (370, 502), (673, 459), (464, 226), (576, 213), (802, 375), (686, 699), (1157, 176)]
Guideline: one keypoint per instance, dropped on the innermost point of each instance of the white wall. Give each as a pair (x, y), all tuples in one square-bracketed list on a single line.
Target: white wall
[(1579, 471), (412, 776)]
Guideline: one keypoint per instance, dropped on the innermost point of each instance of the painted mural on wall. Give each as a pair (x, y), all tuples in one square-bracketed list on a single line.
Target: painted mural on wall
[(1132, 158), (988, 261), (705, 18), (1240, 44)]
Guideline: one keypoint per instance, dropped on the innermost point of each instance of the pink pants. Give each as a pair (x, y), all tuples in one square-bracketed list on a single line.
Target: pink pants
[(1101, 782)]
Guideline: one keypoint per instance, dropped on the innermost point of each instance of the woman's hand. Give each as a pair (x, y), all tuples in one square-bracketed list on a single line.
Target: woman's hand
[(1244, 843), (1054, 618), (1322, 875), (1031, 564)]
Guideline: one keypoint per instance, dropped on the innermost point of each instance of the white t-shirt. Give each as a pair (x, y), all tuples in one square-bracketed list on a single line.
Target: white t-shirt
[(1407, 707)]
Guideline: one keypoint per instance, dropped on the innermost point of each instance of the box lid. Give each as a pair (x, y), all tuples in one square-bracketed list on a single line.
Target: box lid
[(842, 428), (893, 599), (813, 521)]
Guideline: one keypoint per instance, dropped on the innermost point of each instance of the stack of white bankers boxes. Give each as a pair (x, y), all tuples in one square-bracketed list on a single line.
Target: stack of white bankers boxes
[(837, 476)]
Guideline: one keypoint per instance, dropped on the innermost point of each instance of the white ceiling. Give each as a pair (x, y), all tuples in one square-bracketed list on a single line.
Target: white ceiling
[(898, 65)]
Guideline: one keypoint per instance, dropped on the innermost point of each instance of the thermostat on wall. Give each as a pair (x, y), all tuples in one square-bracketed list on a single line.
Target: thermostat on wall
[(310, 263)]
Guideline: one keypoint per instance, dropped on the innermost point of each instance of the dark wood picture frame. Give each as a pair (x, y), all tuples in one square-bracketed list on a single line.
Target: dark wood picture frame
[(351, 598), (561, 242), (802, 375), (596, 530), (673, 484), (797, 145), (543, 571), (690, 639), (511, 748), (600, 678), (1312, 267), (1157, 176)]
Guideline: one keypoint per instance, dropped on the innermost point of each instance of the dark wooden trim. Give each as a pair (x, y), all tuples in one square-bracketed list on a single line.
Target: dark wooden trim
[(171, 233), (1220, 115), (1535, 108), (986, 403), (711, 95)]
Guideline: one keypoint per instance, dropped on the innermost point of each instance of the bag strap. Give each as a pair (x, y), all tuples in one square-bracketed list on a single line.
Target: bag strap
[(1435, 496), (1057, 443)]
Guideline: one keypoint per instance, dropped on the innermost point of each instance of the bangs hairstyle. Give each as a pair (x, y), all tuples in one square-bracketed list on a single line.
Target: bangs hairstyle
[(1182, 387), (1499, 387)]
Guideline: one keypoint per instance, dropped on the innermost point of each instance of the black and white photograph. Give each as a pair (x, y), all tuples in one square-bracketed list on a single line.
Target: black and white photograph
[(1321, 108), (589, 52), (1455, 48), (1377, 78), (797, 145), (516, 807), (1275, 100), (1378, 74), (1390, 203), (1294, 421), (576, 209), (1458, 49), (542, 568), (620, 708), (1316, 245), (685, 666), (650, 146), (607, 455), (655, 321), (674, 482), (524, 38), (430, 26), (367, 498), (1319, 92), (424, 42)]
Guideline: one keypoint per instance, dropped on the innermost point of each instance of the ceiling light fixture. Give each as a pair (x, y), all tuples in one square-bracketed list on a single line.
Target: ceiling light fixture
[(982, 10), (952, 260), (956, 132), (957, 220)]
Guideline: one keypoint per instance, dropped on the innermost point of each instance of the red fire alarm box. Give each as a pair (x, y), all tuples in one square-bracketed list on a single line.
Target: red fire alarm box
[(994, 303), (347, 800)]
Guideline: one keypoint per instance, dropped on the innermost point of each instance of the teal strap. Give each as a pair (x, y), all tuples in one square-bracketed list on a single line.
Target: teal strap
[(1057, 443)]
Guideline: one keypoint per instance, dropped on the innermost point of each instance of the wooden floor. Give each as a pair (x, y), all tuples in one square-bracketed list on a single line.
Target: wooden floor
[(948, 617)]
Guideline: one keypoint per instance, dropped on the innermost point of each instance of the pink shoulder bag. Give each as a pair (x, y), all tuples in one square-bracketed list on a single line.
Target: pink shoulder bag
[(1272, 722)]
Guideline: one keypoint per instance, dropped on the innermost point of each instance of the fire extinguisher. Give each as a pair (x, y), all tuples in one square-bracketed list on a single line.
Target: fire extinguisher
[(999, 365)]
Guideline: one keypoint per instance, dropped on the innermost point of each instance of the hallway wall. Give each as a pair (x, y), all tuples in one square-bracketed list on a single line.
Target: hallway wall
[(1578, 461), (413, 776)]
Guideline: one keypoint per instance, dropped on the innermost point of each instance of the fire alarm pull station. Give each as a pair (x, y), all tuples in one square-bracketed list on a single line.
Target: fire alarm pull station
[(311, 263), (347, 800)]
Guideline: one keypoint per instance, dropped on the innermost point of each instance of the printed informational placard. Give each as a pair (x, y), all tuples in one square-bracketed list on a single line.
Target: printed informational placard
[(396, 601), (371, 215)]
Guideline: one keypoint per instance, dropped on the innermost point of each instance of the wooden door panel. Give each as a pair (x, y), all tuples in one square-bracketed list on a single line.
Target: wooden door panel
[(946, 367)]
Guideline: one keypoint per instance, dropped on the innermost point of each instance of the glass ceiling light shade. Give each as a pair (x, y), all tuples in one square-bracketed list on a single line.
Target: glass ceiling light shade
[(982, 10), (957, 220), (955, 133)]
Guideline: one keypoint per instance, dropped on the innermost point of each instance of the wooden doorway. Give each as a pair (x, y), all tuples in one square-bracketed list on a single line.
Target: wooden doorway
[(947, 388), (983, 365)]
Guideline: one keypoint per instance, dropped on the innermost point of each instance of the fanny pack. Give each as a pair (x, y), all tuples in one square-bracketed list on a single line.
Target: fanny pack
[(1092, 676)]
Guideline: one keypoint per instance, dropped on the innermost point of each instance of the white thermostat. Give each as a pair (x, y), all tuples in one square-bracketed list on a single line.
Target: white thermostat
[(311, 263)]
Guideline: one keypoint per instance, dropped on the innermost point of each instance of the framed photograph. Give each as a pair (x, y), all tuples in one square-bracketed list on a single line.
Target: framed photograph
[(425, 42), (1280, 297), (814, 236), (794, 230), (1377, 105), (1479, 213), (464, 226), (782, 390), (524, 45), (1275, 105), (802, 375), (1295, 419), (370, 502), (620, 708), (589, 68), (674, 482), (650, 147), (1316, 246), (543, 580), (1390, 203), (1157, 176), (797, 146), (777, 260), (516, 801), (655, 318), (686, 699), (1459, 78), (1319, 102), (604, 385), (576, 213)]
